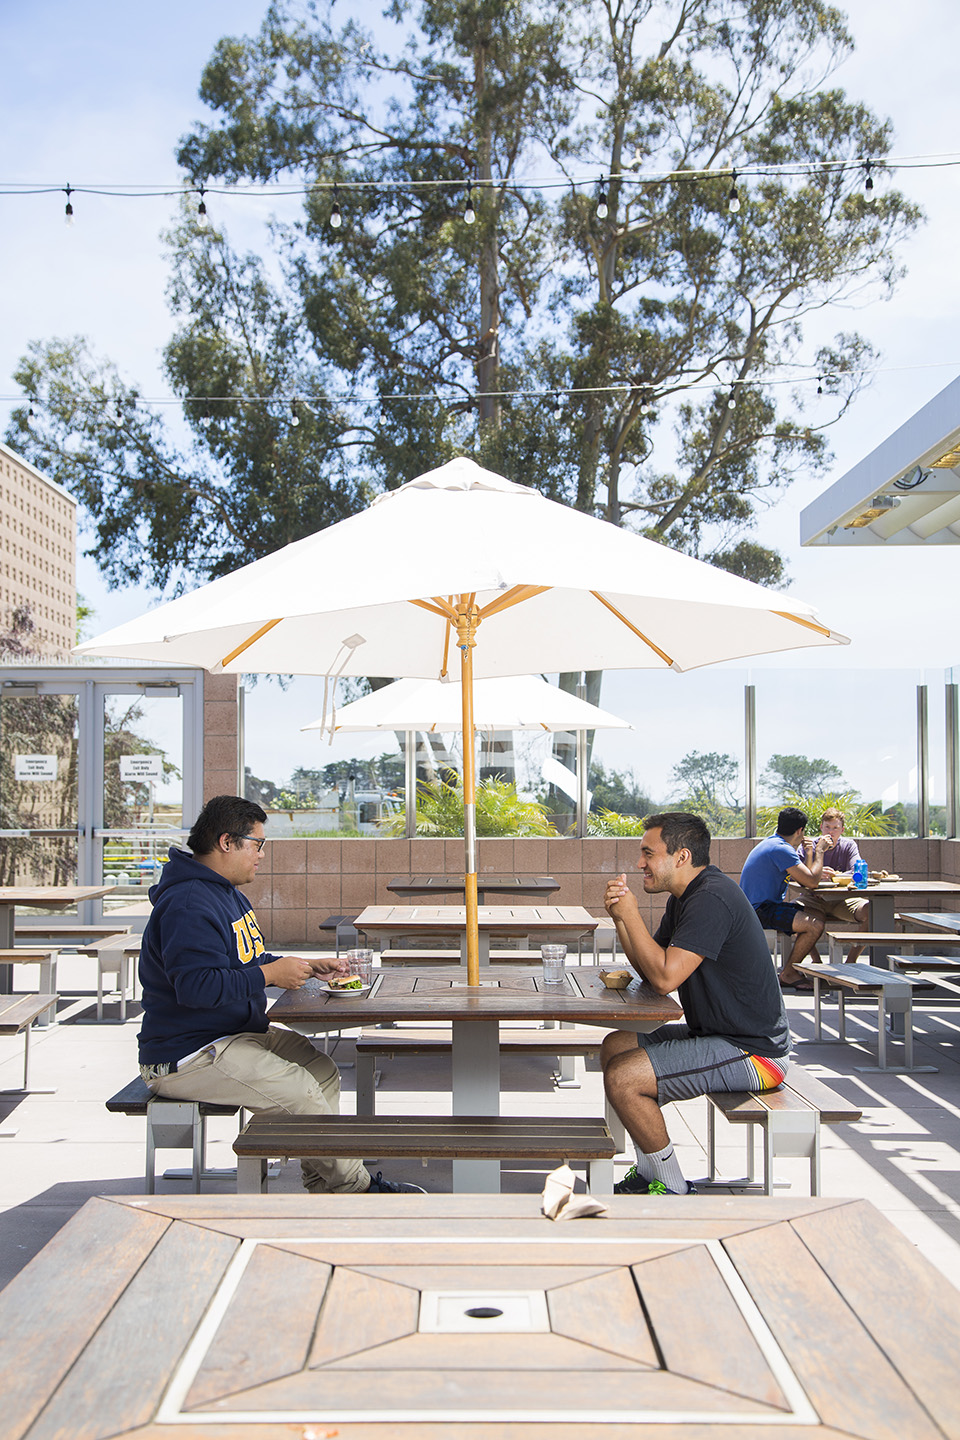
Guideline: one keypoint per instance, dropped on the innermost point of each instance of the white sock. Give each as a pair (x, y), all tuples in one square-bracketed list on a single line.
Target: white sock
[(662, 1165)]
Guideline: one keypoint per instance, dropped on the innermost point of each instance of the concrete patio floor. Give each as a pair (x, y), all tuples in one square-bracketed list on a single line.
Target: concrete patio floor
[(903, 1156)]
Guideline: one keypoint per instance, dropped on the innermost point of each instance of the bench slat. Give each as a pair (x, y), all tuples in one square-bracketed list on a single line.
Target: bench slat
[(134, 1098), (19, 1011), (439, 1042), (482, 1137)]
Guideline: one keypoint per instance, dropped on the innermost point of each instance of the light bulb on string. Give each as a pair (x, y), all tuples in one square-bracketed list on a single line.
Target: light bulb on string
[(117, 416), (336, 219), (469, 212), (819, 384), (733, 199), (202, 209), (557, 406), (294, 417), (732, 398), (602, 211), (31, 416), (68, 208), (869, 194)]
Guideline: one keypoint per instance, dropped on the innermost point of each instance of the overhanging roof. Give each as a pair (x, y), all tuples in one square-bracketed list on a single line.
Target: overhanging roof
[(905, 492)]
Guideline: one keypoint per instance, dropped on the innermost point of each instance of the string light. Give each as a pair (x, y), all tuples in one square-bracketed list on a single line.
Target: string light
[(557, 406), (68, 208), (336, 219), (202, 209), (602, 211), (294, 417), (469, 213), (868, 191), (117, 417), (30, 415), (732, 398), (733, 199), (819, 384)]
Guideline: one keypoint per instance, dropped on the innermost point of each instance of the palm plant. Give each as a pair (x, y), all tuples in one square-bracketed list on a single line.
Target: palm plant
[(860, 817), (500, 811)]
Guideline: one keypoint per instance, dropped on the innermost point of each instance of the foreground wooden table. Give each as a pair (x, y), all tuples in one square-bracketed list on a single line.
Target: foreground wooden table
[(299, 1317), (385, 923), (475, 1014)]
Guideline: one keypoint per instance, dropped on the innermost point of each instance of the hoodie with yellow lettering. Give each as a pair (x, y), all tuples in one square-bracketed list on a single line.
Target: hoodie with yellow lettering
[(199, 963)]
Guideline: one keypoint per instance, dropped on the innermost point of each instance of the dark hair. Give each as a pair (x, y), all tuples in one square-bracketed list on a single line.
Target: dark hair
[(681, 831), (791, 820), (223, 815)]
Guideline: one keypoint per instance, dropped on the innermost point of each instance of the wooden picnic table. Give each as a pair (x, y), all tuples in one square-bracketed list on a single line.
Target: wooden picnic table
[(475, 1015), (882, 897), (947, 921), (385, 923), (542, 885), (274, 1316), (41, 897)]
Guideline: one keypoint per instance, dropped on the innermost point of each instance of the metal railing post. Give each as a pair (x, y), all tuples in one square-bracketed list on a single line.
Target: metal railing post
[(750, 759), (952, 758), (923, 764)]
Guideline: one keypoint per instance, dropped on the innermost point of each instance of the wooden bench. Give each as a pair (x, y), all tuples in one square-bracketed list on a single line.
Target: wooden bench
[(64, 932), (903, 941), (894, 996), (171, 1125), (790, 1119), (423, 1137), (375, 1045), (46, 958), (344, 930), (17, 1014)]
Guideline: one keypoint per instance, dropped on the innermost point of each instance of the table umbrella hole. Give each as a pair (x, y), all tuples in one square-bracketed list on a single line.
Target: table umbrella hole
[(457, 1312)]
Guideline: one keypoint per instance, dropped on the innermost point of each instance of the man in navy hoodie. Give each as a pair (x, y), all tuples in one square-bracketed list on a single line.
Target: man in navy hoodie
[(204, 972)]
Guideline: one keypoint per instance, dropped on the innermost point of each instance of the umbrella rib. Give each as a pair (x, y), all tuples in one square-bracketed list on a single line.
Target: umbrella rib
[(513, 597), (630, 626), (251, 640), (808, 624)]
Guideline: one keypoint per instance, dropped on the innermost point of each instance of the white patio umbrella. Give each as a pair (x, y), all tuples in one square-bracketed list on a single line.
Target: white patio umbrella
[(461, 559), (517, 702)]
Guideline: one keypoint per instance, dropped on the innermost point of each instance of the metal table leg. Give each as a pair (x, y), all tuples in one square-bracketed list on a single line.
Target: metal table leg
[(476, 1091)]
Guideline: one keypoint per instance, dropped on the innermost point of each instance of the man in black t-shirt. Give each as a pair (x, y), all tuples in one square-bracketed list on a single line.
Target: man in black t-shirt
[(709, 947)]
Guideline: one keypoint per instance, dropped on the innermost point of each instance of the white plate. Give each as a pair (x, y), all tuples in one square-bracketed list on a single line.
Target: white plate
[(335, 990)]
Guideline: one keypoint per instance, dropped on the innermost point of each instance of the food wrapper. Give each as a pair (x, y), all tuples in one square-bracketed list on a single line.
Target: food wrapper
[(559, 1201)]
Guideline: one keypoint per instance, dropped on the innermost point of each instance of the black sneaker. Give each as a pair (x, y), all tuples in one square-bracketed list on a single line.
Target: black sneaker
[(392, 1187), (635, 1184)]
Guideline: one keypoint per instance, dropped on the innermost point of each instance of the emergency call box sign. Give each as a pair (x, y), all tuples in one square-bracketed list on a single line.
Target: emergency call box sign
[(35, 767), (142, 768)]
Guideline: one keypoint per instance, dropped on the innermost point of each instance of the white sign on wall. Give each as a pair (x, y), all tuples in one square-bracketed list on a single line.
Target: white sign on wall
[(35, 767), (142, 768)]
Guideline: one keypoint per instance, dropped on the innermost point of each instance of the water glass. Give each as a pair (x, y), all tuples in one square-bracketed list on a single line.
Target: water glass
[(553, 957), (360, 963)]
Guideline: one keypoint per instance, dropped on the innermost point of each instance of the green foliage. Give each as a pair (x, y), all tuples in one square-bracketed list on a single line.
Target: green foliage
[(860, 817), (617, 790), (802, 777), (620, 316), (500, 811), (608, 822)]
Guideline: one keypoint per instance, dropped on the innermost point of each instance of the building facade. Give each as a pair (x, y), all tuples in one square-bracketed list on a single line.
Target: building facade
[(38, 555)]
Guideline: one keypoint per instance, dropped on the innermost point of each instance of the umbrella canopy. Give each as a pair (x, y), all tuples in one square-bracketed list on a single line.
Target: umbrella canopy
[(521, 702), (463, 559), (360, 598)]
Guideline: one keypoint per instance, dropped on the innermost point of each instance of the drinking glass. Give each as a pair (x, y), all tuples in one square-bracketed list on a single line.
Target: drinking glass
[(553, 957), (360, 963)]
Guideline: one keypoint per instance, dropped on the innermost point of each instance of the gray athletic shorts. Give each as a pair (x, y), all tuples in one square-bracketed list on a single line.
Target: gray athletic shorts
[(689, 1065)]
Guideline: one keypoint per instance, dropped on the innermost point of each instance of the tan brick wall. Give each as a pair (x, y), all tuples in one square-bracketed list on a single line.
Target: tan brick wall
[(38, 554), (302, 881), (221, 735)]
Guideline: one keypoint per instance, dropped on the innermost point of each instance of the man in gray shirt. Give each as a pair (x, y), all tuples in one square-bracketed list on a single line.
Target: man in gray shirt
[(838, 860), (710, 948)]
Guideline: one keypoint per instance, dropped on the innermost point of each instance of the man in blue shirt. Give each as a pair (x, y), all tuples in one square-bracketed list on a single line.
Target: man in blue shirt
[(763, 880)]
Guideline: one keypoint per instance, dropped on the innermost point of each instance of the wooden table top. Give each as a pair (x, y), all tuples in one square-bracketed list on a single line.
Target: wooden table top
[(271, 1317), (947, 920), (51, 897), (450, 919), (440, 993), (486, 885), (889, 887)]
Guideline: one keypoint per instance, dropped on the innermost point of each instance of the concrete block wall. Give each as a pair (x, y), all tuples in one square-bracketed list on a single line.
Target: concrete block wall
[(300, 882), (221, 735)]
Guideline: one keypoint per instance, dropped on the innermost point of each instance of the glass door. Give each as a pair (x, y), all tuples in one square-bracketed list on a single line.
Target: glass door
[(39, 801)]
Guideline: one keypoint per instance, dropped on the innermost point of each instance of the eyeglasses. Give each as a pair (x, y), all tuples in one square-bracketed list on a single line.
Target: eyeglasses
[(259, 843)]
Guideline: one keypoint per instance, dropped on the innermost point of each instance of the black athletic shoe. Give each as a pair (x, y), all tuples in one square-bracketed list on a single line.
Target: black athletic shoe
[(635, 1184), (392, 1187)]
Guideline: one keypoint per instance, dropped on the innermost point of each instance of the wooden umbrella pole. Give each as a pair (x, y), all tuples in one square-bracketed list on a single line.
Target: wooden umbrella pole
[(468, 618)]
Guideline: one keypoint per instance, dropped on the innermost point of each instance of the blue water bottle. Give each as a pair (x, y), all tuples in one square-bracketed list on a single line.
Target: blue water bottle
[(860, 874)]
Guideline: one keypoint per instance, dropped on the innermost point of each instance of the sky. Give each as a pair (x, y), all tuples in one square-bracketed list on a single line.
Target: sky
[(100, 93)]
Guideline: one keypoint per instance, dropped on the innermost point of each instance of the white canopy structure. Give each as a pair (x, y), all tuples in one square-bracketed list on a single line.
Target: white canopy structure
[(461, 559)]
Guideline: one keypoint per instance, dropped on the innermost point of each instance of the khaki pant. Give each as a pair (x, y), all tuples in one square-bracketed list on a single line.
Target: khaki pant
[(835, 907), (278, 1071)]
